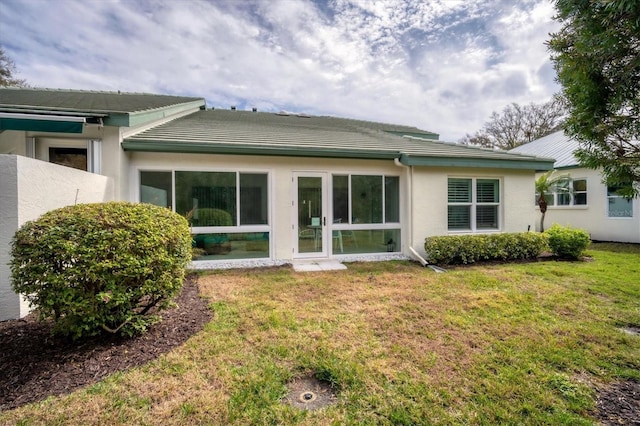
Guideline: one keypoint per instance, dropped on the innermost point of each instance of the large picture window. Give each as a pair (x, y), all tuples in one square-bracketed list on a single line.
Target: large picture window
[(473, 204), (366, 214), (228, 212)]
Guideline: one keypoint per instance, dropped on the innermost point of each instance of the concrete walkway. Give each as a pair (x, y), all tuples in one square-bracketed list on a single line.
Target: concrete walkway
[(317, 265)]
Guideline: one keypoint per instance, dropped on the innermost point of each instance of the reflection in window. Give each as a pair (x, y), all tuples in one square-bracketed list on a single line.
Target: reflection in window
[(155, 188), (70, 157), (366, 213), (236, 201), (619, 206), (566, 192)]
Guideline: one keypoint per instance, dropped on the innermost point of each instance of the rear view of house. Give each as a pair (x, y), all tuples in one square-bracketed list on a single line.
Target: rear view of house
[(256, 187)]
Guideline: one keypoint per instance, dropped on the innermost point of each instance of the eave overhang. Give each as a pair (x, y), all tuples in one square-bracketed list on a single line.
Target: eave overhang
[(292, 151), (471, 162), (247, 149)]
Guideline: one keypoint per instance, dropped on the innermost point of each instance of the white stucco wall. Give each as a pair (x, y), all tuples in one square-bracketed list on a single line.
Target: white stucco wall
[(430, 200), (29, 188), (594, 216)]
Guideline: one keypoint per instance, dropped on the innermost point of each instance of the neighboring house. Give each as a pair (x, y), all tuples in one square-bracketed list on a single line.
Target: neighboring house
[(583, 200), (266, 187)]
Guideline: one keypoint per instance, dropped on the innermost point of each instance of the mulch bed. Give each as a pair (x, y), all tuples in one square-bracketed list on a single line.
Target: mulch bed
[(34, 365)]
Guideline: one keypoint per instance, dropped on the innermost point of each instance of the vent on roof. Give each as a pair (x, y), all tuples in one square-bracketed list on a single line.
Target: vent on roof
[(254, 109), (283, 113), (233, 107)]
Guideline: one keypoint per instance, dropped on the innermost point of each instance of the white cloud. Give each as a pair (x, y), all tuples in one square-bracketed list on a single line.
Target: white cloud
[(439, 65)]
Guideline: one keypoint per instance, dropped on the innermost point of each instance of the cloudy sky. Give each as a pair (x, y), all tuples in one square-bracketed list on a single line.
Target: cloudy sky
[(440, 65)]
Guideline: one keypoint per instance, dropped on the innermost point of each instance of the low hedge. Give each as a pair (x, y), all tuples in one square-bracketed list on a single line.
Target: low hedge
[(101, 267), (463, 249)]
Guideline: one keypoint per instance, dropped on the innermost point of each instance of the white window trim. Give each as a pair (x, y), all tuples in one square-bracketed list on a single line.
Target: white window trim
[(473, 204)]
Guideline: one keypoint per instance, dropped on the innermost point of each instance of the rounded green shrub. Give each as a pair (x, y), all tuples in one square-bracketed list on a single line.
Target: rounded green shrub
[(101, 267), (568, 242)]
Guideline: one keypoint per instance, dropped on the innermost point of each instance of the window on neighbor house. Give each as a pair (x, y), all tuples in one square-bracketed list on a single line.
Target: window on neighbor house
[(566, 192), (473, 204), (618, 206)]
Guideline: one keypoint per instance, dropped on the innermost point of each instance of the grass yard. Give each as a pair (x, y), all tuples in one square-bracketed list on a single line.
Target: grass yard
[(509, 344)]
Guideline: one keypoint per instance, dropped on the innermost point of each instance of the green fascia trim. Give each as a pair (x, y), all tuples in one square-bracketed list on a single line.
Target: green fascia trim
[(142, 117), (428, 136), (577, 166), (41, 125), (208, 148), (491, 163)]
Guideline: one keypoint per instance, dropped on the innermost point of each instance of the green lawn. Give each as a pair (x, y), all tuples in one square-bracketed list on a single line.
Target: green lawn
[(401, 344)]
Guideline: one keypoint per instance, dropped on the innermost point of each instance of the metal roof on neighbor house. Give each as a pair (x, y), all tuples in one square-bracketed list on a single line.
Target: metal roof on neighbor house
[(114, 108), (260, 133), (556, 145)]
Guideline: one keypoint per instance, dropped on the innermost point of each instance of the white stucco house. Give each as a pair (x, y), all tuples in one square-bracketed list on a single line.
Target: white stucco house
[(583, 200), (268, 187)]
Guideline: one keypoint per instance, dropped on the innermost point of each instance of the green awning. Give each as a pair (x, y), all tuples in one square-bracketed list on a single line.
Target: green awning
[(41, 123)]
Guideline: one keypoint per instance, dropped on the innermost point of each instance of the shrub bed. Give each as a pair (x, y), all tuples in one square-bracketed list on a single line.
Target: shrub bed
[(101, 267), (463, 249)]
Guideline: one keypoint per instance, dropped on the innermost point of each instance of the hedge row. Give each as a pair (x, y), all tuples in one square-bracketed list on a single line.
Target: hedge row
[(564, 242), (457, 249)]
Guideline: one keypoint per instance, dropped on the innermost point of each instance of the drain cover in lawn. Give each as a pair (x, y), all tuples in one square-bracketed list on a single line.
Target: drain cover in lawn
[(309, 393)]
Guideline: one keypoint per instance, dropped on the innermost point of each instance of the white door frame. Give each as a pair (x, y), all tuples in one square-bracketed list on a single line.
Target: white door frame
[(319, 231)]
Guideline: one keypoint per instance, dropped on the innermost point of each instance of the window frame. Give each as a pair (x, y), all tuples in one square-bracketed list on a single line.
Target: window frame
[(473, 204), (554, 196), (350, 223)]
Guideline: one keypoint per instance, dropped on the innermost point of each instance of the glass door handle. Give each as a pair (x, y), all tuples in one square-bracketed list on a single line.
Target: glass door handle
[(324, 221)]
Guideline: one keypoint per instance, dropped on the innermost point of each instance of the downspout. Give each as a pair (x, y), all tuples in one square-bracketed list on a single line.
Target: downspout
[(409, 173)]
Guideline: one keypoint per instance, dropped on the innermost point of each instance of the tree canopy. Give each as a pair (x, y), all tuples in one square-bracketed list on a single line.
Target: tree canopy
[(8, 71), (596, 54), (517, 125)]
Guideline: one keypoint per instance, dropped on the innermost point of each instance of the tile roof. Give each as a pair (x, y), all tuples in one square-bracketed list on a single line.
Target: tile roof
[(245, 132), (85, 102), (556, 145)]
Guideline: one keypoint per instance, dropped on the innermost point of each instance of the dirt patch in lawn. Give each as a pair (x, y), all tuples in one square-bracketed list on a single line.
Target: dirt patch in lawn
[(619, 404), (34, 365)]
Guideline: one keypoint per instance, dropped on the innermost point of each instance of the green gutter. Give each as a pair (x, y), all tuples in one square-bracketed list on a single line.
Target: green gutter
[(208, 148), (493, 163), (229, 149)]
